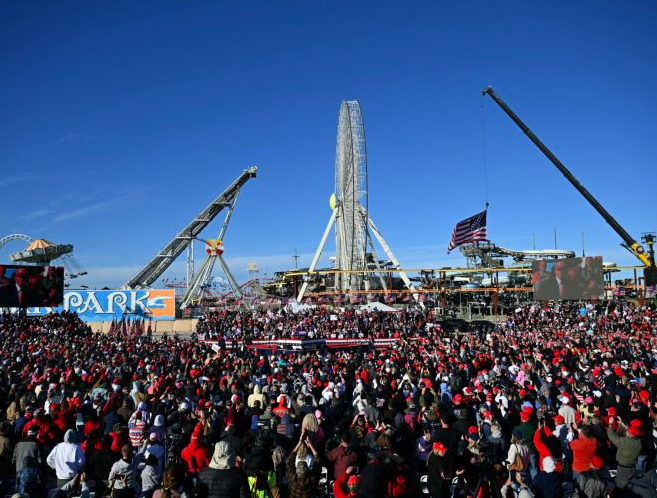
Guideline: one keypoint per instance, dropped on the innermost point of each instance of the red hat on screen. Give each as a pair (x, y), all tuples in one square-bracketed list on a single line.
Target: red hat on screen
[(559, 419), (612, 411), (635, 423), (644, 395), (596, 462), (473, 429), (634, 431), (457, 398), (524, 417), (522, 393)]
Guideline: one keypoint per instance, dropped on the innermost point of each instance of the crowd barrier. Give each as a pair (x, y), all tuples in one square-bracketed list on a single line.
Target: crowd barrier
[(311, 344)]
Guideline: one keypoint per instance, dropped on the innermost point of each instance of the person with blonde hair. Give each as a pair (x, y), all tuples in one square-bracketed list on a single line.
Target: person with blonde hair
[(172, 483)]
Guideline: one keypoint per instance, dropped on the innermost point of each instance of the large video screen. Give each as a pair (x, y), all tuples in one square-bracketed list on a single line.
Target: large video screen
[(568, 279), (31, 286)]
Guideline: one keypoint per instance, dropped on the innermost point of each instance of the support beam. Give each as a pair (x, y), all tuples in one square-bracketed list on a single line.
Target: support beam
[(198, 285), (318, 253), (393, 259), (231, 280)]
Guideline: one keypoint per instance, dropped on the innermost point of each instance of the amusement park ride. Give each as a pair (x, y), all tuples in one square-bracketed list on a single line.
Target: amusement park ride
[(44, 252), (199, 283), (350, 215)]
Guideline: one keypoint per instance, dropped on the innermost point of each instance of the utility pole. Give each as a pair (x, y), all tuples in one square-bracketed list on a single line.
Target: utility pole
[(583, 249), (555, 237), (296, 259), (534, 238)]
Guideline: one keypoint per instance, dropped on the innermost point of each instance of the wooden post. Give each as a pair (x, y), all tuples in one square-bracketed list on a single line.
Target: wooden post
[(495, 296)]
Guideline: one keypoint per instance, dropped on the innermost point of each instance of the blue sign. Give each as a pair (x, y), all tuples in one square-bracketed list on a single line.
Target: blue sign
[(105, 306)]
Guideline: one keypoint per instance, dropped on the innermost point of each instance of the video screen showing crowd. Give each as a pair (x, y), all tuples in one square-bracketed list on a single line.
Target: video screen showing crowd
[(568, 279), (31, 286)]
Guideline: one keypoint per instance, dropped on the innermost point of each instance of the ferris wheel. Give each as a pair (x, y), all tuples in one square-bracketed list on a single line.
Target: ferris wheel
[(350, 197), (354, 249)]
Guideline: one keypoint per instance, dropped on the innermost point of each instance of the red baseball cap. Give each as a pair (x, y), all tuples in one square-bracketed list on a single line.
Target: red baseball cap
[(457, 398), (353, 480), (439, 447), (559, 419), (633, 430)]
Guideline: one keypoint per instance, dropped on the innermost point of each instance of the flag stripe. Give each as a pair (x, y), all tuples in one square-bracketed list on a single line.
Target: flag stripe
[(472, 229)]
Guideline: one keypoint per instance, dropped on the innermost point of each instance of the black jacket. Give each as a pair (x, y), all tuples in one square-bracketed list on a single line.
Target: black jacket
[(229, 483), (548, 484)]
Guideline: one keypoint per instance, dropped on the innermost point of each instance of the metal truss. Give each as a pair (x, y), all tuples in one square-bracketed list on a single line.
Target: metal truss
[(161, 261)]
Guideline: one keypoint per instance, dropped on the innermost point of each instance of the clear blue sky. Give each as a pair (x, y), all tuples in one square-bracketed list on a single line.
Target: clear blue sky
[(121, 120)]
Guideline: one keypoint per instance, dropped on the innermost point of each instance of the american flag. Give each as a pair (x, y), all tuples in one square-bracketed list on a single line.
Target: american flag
[(619, 291), (471, 229)]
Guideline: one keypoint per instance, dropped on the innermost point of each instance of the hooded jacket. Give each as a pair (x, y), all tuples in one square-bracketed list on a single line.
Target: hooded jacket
[(66, 458), (257, 396)]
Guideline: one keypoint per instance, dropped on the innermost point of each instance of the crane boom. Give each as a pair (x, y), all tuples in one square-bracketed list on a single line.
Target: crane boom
[(632, 245), (161, 261)]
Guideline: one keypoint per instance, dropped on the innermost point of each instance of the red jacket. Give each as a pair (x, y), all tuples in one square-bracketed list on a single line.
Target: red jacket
[(583, 450), (543, 450), (200, 454)]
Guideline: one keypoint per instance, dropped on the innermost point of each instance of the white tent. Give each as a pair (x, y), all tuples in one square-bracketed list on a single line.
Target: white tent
[(376, 306), (295, 307)]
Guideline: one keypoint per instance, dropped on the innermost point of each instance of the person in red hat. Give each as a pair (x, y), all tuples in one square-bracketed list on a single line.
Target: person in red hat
[(591, 483), (349, 481), (628, 448), (438, 472)]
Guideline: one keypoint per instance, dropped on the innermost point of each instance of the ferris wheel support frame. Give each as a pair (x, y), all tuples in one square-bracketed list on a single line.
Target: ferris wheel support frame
[(382, 242)]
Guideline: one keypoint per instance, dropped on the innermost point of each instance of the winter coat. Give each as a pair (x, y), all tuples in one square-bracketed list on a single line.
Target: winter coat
[(223, 483), (628, 449), (548, 484), (342, 457), (27, 447), (590, 484), (300, 487)]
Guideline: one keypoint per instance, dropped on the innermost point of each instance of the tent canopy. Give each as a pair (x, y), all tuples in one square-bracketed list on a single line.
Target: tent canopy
[(376, 306)]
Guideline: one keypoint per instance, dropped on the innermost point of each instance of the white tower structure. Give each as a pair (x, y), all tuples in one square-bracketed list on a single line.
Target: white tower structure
[(350, 215)]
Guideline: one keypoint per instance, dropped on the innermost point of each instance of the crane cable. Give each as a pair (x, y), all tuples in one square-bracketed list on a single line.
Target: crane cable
[(483, 141)]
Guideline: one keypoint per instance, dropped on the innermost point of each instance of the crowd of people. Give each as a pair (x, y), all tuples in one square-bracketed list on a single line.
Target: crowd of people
[(555, 400)]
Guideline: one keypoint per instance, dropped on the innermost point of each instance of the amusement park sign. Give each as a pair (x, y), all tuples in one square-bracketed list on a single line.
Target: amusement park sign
[(105, 306)]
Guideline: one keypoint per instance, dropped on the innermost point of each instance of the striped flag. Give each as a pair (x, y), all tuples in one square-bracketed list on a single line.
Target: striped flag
[(471, 229), (619, 291)]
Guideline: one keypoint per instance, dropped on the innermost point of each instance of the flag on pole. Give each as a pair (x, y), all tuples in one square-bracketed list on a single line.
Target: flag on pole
[(471, 229)]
